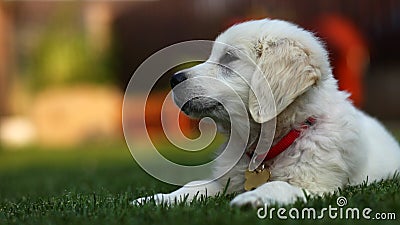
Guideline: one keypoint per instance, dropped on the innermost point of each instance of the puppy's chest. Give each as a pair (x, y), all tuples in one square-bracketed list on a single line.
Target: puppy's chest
[(290, 164), (274, 169)]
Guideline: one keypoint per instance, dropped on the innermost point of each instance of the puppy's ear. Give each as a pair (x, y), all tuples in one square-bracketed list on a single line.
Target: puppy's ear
[(284, 72)]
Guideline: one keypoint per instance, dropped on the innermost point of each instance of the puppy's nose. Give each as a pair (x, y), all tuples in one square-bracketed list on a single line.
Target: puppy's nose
[(177, 78)]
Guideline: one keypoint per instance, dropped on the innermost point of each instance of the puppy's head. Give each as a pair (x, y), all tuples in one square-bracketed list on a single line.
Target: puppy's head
[(261, 65)]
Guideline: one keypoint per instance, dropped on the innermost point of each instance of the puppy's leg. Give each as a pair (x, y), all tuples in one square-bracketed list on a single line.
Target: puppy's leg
[(278, 192), (187, 193)]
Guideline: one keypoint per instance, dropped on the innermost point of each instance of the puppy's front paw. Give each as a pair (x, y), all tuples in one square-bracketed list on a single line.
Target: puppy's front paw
[(274, 192), (157, 198), (251, 198)]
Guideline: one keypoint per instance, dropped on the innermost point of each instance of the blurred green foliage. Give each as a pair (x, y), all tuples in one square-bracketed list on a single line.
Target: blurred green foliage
[(62, 55)]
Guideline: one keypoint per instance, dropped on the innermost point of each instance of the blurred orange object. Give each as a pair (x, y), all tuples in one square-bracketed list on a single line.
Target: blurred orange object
[(153, 112), (349, 53)]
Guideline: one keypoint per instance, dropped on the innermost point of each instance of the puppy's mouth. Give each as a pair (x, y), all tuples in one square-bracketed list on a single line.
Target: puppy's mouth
[(198, 107)]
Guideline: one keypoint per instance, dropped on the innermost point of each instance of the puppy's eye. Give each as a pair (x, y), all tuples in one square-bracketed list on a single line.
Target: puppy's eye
[(228, 57)]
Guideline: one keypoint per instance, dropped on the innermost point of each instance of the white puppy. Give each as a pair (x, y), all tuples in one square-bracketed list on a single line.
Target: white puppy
[(339, 146)]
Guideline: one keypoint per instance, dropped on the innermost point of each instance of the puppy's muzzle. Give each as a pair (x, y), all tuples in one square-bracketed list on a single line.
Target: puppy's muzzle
[(177, 78)]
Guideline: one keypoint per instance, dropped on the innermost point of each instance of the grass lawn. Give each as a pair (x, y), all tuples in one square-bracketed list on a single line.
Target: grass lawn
[(94, 185)]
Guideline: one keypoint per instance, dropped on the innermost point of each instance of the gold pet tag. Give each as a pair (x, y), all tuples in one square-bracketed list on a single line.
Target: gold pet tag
[(256, 178)]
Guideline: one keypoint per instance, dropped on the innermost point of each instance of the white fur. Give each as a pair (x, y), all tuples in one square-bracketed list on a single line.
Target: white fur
[(344, 147)]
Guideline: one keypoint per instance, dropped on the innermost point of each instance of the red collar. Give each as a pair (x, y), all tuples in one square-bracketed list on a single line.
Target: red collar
[(286, 141)]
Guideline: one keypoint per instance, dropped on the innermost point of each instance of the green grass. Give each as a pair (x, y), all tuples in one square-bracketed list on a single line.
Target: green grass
[(94, 185)]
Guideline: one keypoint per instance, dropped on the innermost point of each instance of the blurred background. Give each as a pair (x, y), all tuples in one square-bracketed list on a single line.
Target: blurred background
[(64, 66)]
